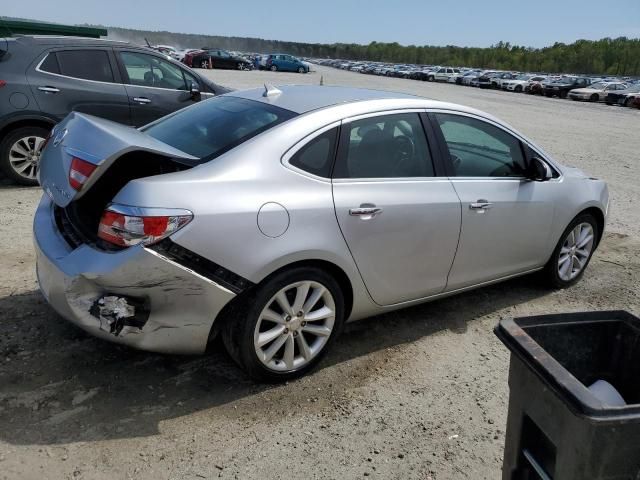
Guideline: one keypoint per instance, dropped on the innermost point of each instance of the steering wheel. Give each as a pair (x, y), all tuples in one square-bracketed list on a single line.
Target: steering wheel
[(403, 151)]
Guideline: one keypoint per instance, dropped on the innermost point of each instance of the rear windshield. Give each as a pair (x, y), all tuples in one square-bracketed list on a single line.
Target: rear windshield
[(212, 127)]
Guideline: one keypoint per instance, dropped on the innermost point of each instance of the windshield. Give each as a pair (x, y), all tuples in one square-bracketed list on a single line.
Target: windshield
[(598, 86), (212, 127), (523, 77)]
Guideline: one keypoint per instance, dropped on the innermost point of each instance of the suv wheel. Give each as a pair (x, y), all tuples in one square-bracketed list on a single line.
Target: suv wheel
[(20, 154), (286, 325), (573, 252)]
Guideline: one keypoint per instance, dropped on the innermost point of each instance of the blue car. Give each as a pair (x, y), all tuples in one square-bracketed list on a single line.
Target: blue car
[(286, 63)]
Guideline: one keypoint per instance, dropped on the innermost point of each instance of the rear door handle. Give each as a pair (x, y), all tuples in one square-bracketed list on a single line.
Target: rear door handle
[(480, 205), (365, 212), (141, 100), (49, 89)]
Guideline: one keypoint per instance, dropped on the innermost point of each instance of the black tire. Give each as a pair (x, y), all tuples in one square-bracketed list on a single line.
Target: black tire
[(627, 102), (551, 275), (563, 94), (274, 68), (5, 147), (301, 70), (594, 98), (431, 78), (549, 95), (518, 89), (238, 331)]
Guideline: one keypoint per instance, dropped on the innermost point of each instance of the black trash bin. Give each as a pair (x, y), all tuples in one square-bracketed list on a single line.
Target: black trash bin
[(557, 427)]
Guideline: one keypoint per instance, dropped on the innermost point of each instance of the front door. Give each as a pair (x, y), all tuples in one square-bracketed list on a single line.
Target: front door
[(155, 87), (400, 221), (82, 80), (506, 218)]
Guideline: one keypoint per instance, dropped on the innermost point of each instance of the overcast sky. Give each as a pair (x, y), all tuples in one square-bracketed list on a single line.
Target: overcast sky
[(420, 22)]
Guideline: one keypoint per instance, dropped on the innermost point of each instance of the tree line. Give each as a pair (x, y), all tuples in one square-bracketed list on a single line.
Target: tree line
[(608, 56), (611, 56)]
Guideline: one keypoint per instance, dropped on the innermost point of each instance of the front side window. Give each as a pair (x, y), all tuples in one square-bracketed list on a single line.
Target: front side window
[(85, 64), (479, 149), (150, 71), (387, 146), (210, 128), (317, 156)]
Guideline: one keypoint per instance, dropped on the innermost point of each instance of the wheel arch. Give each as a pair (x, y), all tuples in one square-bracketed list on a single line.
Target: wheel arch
[(26, 122), (598, 214)]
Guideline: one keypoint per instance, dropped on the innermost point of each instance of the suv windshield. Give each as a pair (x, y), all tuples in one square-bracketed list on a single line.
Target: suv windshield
[(210, 128)]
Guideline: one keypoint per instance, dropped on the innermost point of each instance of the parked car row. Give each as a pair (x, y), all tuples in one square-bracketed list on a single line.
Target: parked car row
[(219, 58), (612, 91)]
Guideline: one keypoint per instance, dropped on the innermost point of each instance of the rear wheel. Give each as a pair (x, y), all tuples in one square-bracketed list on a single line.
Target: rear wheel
[(594, 97), (274, 68), (20, 154), (286, 325), (573, 252)]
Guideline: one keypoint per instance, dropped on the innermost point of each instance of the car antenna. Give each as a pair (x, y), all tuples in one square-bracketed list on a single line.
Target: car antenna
[(270, 90)]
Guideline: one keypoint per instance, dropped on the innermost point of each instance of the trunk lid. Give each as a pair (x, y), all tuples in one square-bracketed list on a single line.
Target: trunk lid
[(97, 141)]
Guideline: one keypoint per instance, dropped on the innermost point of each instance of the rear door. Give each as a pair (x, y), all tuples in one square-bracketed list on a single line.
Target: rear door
[(400, 219), (506, 218), (84, 80), (155, 86)]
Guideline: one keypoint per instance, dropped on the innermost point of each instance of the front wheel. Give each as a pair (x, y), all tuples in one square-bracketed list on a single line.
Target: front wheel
[(274, 68), (301, 70), (595, 97), (20, 154), (286, 325), (573, 252)]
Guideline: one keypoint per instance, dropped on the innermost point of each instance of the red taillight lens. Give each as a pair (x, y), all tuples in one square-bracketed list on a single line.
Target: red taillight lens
[(126, 230), (80, 172), (2, 83)]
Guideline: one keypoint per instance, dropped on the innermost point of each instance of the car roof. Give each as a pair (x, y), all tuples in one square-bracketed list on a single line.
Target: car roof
[(305, 98), (68, 40)]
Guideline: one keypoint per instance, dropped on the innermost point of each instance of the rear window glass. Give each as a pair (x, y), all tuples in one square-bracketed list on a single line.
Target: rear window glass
[(85, 64), (316, 157), (50, 64), (212, 127)]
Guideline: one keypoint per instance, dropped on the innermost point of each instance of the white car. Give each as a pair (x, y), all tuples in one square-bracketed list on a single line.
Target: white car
[(519, 83), (443, 74), (596, 91)]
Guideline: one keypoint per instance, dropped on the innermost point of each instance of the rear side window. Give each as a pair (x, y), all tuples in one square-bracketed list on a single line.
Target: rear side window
[(316, 157), (50, 64), (85, 64), (210, 128)]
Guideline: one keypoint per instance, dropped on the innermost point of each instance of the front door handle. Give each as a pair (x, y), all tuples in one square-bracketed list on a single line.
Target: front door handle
[(49, 89), (365, 211), (480, 205), (141, 100)]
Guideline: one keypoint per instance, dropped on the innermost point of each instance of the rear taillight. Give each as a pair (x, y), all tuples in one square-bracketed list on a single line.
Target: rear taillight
[(80, 172), (125, 227), (2, 83)]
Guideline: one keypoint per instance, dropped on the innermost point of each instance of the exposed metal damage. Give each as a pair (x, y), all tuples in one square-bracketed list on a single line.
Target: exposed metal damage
[(120, 315)]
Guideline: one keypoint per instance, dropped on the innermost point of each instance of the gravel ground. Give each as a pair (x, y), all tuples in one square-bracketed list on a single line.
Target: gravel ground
[(417, 394)]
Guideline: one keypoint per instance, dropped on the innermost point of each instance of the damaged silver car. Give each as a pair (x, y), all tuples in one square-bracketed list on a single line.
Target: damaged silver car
[(273, 216)]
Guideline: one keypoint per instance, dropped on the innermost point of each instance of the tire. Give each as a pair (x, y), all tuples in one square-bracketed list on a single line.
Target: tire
[(552, 269), (594, 97), (563, 94), (239, 66), (431, 78), (301, 70), (242, 327), (274, 68), (627, 102), (518, 89), (549, 95), (28, 139)]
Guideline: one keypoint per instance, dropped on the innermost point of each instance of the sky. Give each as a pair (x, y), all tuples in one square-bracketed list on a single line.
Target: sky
[(535, 23)]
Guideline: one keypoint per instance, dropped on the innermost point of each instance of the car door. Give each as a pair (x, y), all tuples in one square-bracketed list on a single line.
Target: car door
[(506, 218), (155, 86), (79, 79), (400, 219)]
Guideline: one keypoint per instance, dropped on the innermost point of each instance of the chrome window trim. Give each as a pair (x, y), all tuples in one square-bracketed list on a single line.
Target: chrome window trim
[(544, 157), (101, 82)]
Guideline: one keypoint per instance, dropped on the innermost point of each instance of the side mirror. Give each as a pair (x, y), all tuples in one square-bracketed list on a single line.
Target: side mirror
[(539, 170), (194, 90)]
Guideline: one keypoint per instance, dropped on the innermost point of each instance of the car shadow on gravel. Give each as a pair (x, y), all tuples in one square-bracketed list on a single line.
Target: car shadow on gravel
[(59, 385)]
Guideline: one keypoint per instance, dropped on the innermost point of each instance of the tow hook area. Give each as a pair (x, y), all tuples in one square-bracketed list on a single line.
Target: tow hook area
[(120, 315)]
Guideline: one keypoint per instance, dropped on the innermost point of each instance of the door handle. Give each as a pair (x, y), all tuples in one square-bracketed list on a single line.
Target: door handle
[(480, 205), (141, 100), (49, 89), (365, 212)]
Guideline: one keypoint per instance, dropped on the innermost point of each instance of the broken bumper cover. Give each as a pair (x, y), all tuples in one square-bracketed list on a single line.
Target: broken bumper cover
[(135, 297)]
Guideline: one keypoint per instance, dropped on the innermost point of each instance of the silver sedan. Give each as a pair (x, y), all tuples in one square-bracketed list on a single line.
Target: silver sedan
[(273, 216)]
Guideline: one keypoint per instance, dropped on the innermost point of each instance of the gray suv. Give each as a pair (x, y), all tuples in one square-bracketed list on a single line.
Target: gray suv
[(44, 78)]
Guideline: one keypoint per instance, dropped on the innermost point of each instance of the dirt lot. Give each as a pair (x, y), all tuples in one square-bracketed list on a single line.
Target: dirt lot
[(420, 393)]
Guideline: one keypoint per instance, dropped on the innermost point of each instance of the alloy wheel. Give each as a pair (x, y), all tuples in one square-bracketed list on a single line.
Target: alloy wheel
[(294, 326), (575, 251), (24, 156)]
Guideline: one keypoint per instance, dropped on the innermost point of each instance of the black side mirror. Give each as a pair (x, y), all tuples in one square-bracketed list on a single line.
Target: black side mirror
[(195, 91), (539, 170)]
